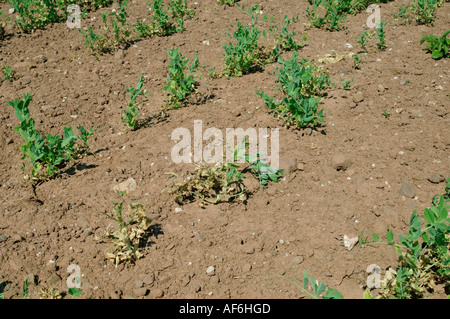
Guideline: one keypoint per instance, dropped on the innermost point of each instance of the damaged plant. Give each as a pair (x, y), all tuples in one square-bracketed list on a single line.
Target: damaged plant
[(129, 236), (213, 184)]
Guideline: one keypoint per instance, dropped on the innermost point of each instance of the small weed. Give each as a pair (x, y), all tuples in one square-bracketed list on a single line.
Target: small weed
[(439, 47), (26, 288), (387, 113), (132, 229), (180, 84)]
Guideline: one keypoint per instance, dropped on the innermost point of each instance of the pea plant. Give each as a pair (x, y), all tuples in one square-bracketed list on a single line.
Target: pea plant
[(8, 74), (131, 114), (423, 12), (302, 85), (335, 14), (242, 56), (115, 31), (362, 40), (424, 255), (315, 288), (286, 39), (47, 155), (164, 23), (180, 83), (381, 36), (438, 46), (36, 14), (227, 2)]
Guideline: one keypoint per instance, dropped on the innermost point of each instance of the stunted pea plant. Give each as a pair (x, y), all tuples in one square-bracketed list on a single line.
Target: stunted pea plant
[(131, 115)]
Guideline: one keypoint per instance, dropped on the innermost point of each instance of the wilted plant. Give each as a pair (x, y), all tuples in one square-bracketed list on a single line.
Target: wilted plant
[(49, 293), (180, 84), (50, 153), (130, 234), (209, 185), (213, 184)]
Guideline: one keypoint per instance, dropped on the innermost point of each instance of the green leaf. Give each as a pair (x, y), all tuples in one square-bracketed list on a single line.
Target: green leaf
[(437, 54), (332, 294), (390, 236), (305, 279), (76, 292), (376, 238)]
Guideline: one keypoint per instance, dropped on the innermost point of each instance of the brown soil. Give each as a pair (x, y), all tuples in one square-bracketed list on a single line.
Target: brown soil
[(295, 225)]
